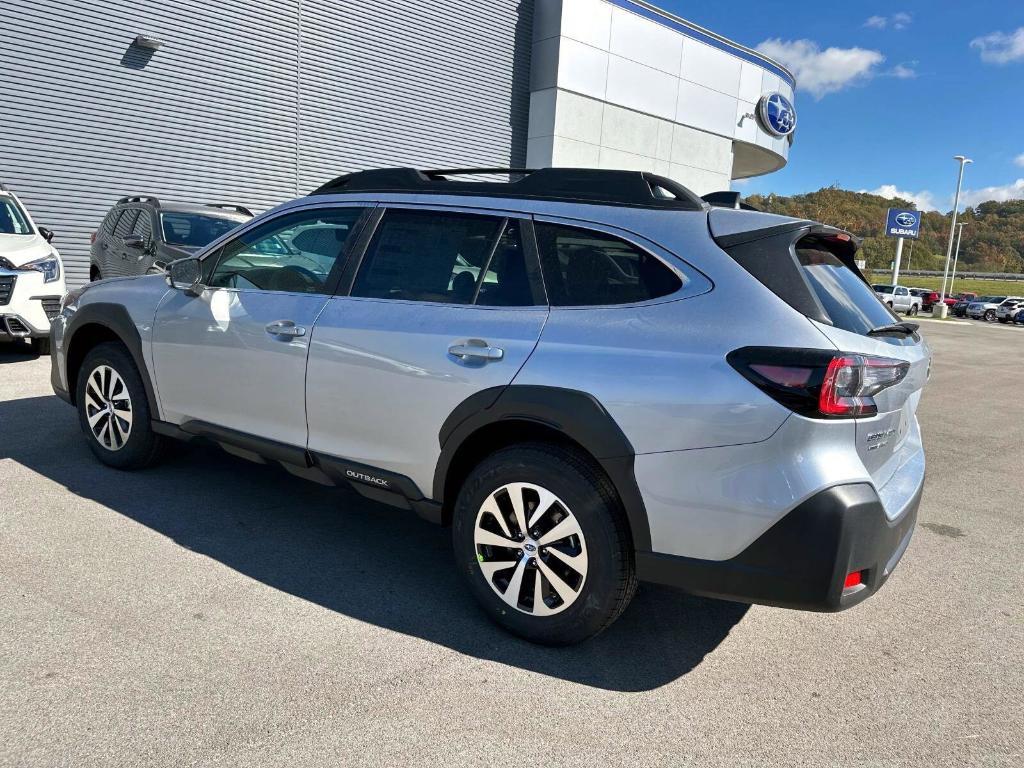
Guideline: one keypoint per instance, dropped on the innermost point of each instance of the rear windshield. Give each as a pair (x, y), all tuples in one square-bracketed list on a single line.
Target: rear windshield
[(847, 300), (194, 229)]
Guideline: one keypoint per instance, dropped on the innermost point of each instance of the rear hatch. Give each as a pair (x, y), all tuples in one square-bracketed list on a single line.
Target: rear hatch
[(811, 267)]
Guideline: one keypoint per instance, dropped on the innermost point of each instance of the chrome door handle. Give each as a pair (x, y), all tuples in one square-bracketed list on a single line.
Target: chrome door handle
[(285, 328), (476, 349)]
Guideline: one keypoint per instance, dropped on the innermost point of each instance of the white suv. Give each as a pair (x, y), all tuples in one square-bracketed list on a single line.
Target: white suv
[(31, 276)]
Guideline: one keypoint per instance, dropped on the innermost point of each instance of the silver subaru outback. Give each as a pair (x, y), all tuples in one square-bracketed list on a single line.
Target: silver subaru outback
[(594, 377)]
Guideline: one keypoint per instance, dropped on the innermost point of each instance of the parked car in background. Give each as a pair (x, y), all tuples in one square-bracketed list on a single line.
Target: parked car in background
[(141, 235), (898, 298), (931, 298), (1008, 308), (554, 367), (31, 276), (1018, 316), (963, 300), (985, 308)]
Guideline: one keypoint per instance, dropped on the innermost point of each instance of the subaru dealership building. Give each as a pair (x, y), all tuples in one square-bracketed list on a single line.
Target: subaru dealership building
[(258, 101)]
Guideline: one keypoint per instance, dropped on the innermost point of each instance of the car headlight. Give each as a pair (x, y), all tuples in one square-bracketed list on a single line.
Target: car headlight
[(48, 265)]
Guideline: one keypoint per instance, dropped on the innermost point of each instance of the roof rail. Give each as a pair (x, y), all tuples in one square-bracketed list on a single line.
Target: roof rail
[(727, 199), (232, 207), (139, 199), (637, 189)]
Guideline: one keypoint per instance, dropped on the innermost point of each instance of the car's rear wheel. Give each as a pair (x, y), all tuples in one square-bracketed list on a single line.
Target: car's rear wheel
[(113, 410), (94, 274), (541, 537)]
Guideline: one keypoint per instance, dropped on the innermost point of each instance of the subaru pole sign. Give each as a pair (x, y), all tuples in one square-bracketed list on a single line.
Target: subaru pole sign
[(902, 223)]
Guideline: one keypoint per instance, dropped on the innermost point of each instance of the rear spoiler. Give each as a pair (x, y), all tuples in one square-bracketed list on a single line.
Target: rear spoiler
[(727, 199), (840, 242)]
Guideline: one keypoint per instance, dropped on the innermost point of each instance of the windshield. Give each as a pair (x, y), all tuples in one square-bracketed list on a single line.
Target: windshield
[(194, 230), (13, 220), (883, 288), (846, 298)]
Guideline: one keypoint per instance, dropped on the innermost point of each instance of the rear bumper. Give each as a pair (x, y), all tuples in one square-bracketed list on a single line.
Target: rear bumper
[(802, 561)]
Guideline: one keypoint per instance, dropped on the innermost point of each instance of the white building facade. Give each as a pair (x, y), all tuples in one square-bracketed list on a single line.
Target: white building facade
[(622, 84)]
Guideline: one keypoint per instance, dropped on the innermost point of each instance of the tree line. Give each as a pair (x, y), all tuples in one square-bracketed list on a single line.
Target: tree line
[(993, 238)]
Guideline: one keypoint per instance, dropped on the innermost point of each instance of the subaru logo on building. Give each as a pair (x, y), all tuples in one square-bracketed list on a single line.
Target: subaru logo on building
[(777, 114), (906, 219)]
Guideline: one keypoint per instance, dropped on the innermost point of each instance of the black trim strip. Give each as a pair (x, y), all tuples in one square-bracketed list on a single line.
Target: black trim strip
[(269, 449)]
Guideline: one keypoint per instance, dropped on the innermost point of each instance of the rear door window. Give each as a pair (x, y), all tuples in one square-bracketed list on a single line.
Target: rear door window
[(587, 268), (847, 300), (125, 223)]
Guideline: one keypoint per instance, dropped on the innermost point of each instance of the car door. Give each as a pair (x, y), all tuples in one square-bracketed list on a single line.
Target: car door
[(901, 298), (117, 254), (444, 304), (139, 255), (234, 357)]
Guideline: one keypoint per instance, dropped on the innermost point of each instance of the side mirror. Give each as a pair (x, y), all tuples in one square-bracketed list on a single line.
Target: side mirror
[(186, 275), (47, 234), (134, 241)]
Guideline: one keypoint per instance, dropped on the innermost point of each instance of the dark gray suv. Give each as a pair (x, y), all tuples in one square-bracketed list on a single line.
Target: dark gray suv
[(141, 235)]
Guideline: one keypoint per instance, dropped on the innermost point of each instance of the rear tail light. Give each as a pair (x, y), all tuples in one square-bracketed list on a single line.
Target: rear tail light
[(818, 383), (92, 238)]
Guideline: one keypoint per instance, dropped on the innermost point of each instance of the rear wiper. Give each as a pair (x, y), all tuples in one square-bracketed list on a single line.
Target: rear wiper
[(904, 329)]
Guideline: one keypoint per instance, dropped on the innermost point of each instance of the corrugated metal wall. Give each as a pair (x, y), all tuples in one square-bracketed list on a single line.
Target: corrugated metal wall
[(248, 101)]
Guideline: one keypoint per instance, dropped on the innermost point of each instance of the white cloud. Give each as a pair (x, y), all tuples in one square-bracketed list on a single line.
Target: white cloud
[(900, 20), (1014, 191), (1019, 160), (1001, 47), (923, 200), (904, 71), (821, 72)]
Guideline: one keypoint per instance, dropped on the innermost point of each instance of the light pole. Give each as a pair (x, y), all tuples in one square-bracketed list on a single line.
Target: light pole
[(952, 227), (956, 257)]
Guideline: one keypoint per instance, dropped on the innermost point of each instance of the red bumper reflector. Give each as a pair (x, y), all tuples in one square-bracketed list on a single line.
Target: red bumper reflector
[(853, 579)]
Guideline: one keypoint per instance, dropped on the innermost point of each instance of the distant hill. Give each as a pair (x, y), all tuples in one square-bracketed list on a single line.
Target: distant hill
[(993, 238)]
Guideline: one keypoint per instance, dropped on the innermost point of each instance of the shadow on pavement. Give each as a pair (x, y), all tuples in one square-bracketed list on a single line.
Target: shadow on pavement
[(17, 351), (368, 561)]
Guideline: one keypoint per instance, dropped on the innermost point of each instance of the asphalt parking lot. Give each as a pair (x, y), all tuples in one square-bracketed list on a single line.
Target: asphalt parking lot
[(216, 612)]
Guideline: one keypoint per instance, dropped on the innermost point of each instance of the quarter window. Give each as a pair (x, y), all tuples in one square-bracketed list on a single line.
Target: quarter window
[(295, 253), (583, 267), (445, 257)]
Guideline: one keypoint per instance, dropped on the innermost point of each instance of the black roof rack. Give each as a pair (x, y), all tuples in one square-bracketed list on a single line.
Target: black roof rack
[(139, 199), (231, 207), (637, 189), (727, 199)]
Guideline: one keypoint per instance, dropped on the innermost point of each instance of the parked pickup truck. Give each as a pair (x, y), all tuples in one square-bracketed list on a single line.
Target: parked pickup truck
[(898, 298)]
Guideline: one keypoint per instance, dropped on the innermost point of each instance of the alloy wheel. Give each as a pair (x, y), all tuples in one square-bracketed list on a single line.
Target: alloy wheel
[(108, 408), (531, 549)]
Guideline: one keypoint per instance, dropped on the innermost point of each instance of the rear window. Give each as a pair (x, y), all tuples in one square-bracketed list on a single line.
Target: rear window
[(847, 300), (194, 230)]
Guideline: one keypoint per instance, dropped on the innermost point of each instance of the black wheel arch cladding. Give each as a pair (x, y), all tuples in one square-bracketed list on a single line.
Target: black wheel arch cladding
[(114, 318), (576, 415)]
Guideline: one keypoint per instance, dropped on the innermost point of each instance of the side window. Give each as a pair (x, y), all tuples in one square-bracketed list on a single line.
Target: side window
[(295, 253), (583, 267), (111, 219), (125, 223), (902, 292), (450, 258), (143, 226)]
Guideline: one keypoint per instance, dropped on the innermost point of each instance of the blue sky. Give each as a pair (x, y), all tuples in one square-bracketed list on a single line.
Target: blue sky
[(887, 94)]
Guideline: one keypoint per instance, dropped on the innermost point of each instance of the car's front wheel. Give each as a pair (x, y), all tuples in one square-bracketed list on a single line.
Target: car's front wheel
[(912, 311), (113, 410), (990, 315), (542, 539)]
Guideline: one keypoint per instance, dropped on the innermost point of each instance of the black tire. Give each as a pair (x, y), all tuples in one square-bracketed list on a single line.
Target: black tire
[(94, 274), (41, 346), (143, 446), (912, 311), (610, 581), (889, 304), (990, 315)]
